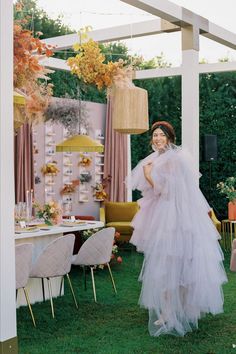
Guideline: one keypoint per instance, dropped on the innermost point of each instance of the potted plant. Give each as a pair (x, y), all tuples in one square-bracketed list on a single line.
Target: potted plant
[(228, 187)]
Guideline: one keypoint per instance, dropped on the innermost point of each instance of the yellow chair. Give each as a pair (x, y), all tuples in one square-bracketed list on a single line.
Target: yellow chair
[(119, 215), (216, 222)]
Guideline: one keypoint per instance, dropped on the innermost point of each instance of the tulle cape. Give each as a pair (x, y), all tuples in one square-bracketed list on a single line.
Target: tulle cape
[(182, 271)]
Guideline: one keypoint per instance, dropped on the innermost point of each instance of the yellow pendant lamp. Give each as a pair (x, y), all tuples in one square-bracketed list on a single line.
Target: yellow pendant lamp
[(18, 98), (80, 143), (19, 101), (130, 110)]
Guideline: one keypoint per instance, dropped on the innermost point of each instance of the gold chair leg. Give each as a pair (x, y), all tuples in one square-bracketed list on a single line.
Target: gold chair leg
[(29, 306), (112, 279), (50, 295), (93, 282), (72, 290)]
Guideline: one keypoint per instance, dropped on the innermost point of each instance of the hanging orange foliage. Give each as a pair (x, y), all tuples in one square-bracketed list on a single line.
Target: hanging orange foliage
[(89, 65), (28, 71)]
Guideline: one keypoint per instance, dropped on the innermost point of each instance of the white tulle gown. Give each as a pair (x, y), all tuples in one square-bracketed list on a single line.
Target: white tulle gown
[(182, 271)]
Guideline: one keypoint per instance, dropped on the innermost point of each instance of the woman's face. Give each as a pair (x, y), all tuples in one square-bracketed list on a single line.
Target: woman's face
[(159, 139)]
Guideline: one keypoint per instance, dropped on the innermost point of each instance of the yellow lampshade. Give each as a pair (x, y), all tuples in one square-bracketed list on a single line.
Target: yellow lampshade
[(18, 98), (130, 110), (81, 143)]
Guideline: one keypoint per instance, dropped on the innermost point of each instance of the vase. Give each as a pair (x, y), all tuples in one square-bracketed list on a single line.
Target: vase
[(232, 210)]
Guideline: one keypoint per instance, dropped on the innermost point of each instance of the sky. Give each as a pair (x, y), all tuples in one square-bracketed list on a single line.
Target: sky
[(108, 13)]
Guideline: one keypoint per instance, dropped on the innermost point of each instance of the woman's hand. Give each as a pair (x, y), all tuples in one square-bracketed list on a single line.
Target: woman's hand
[(147, 169)]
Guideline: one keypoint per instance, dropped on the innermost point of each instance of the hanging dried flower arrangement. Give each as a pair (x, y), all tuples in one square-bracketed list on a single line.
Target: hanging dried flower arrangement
[(70, 113), (130, 103), (27, 72)]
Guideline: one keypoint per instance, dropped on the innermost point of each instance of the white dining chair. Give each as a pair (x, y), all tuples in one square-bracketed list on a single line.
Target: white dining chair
[(55, 261), (96, 250), (23, 261)]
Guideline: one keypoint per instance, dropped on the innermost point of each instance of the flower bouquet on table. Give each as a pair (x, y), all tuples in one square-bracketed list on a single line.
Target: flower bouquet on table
[(115, 250), (50, 212)]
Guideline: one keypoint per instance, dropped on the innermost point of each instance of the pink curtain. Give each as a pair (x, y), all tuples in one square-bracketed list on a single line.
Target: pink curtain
[(115, 160), (24, 164)]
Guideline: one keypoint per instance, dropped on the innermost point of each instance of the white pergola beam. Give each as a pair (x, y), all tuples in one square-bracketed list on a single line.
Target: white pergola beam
[(160, 72), (110, 34), (182, 17), (59, 64), (221, 35), (163, 9)]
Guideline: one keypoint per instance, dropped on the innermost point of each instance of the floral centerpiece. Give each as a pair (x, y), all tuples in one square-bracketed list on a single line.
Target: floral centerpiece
[(51, 212), (228, 188), (115, 257)]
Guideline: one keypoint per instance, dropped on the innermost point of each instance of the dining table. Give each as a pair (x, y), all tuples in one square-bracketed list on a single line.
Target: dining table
[(40, 236)]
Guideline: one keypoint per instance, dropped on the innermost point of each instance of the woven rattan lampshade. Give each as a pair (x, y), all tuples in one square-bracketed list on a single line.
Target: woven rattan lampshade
[(130, 110), (81, 143)]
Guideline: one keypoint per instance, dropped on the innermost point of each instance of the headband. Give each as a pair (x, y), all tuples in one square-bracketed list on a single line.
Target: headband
[(163, 128)]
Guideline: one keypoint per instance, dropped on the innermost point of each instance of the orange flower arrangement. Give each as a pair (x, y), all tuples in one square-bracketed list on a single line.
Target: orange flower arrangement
[(28, 71), (70, 188), (89, 64), (50, 168), (85, 161)]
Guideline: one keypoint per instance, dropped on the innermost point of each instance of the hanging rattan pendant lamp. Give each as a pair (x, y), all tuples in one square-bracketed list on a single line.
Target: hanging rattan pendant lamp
[(130, 110)]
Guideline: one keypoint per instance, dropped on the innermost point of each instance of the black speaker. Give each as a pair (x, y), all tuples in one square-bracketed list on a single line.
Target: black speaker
[(209, 147)]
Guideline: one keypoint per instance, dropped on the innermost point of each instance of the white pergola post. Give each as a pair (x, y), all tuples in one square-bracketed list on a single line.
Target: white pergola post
[(190, 91), (129, 190), (8, 338)]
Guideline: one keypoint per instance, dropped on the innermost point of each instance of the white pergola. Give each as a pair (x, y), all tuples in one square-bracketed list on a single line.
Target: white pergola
[(172, 18)]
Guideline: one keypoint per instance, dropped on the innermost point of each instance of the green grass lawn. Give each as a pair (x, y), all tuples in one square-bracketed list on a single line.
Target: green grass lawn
[(116, 324)]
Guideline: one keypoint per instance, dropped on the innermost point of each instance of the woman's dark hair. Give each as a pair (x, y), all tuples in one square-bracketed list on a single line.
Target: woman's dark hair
[(167, 129)]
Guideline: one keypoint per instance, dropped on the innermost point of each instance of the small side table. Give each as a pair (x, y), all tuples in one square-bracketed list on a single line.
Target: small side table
[(228, 232)]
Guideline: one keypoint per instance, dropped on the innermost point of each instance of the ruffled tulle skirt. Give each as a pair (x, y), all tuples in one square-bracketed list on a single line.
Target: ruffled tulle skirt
[(182, 271)]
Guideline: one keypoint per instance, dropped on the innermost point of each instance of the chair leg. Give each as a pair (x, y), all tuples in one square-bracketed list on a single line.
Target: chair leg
[(43, 290), (112, 279), (50, 295), (93, 282), (72, 290), (29, 306), (62, 281)]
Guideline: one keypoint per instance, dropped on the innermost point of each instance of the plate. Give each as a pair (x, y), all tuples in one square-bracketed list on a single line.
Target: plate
[(26, 230), (72, 224)]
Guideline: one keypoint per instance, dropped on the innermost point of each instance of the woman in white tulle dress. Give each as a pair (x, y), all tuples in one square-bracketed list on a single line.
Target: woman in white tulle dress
[(182, 272)]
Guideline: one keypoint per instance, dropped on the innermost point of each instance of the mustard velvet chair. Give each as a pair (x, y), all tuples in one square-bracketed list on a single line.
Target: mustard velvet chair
[(216, 222), (119, 215)]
